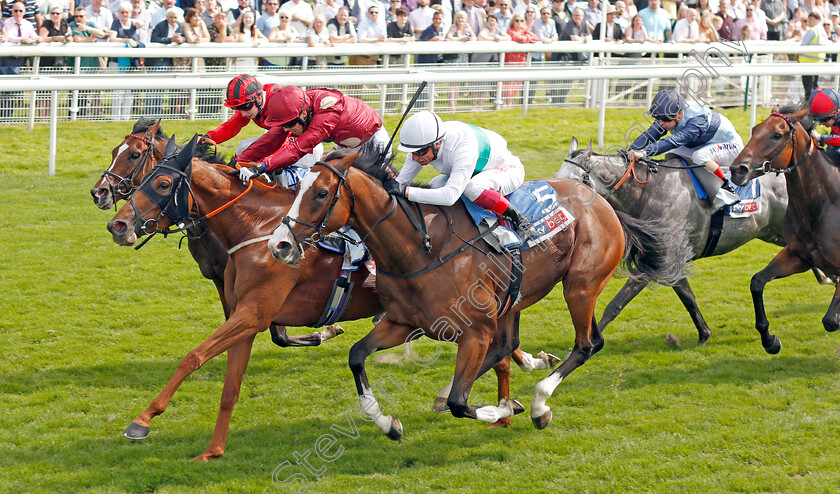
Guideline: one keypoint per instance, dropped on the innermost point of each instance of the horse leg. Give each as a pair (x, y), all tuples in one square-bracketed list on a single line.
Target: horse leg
[(502, 370), (627, 293), (784, 264), (238, 356), (234, 330), (822, 278), (580, 298), (831, 320), (282, 339), (384, 335), (527, 362), (686, 296)]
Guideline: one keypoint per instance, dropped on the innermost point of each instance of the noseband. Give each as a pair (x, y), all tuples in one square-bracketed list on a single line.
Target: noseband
[(125, 185), (319, 229), (767, 165), (175, 206)]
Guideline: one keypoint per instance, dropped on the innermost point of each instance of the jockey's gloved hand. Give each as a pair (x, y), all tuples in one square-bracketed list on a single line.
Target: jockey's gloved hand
[(246, 173), (395, 188), (816, 136)]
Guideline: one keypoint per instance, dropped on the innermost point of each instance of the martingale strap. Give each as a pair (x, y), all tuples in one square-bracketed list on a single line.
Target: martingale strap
[(338, 301), (516, 270)]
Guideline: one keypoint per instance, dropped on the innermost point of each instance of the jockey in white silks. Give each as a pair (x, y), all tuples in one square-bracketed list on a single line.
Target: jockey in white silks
[(473, 162)]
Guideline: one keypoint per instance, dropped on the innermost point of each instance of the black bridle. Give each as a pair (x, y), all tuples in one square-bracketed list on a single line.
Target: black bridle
[(175, 206), (767, 165), (318, 234), (125, 185)]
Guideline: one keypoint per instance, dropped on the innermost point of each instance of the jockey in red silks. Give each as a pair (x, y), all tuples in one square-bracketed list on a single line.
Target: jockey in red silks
[(472, 161), (311, 117), (251, 102), (825, 108)]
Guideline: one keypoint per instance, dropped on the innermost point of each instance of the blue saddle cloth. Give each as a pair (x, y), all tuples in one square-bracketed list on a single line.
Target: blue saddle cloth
[(537, 200), (749, 194)]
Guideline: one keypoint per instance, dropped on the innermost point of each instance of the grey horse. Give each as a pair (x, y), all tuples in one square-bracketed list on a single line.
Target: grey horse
[(671, 190)]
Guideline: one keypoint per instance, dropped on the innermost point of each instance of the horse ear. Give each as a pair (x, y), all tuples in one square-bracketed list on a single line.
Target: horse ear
[(775, 109), (151, 132), (588, 150), (171, 147), (186, 155), (573, 146)]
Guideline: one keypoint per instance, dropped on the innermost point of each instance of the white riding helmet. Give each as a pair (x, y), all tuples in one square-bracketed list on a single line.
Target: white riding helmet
[(422, 129)]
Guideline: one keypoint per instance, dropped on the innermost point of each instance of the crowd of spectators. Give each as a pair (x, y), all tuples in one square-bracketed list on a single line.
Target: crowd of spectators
[(330, 22)]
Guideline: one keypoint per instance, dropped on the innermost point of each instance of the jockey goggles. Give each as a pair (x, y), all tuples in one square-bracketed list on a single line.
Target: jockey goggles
[(245, 106)]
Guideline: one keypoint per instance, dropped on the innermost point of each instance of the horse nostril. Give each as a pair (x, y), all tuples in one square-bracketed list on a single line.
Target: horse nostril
[(118, 227), (100, 192), (284, 246)]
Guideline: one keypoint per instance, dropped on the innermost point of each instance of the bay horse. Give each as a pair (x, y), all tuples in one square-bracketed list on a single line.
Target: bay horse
[(782, 144), (258, 290), (451, 291), (670, 194)]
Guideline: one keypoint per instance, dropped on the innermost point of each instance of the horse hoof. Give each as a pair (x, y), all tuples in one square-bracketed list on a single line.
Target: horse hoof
[(552, 360), (774, 347), (440, 405), (703, 339), (396, 432), (542, 421), (517, 407), (136, 431), (206, 456), (503, 422)]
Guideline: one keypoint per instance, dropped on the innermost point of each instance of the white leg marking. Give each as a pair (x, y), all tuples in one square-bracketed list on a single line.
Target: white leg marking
[(529, 363), (370, 407), (543, 391), (491, 414)]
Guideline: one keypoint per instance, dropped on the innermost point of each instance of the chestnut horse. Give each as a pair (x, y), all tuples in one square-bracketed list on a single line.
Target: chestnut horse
[(258, 289), (430, 290), (783, 144), (131, 161)]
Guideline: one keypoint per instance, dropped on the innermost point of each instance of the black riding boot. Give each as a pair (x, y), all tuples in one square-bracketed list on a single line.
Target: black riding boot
[(523, 225)]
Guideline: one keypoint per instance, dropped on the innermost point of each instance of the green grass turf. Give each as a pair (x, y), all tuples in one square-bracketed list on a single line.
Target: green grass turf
[(91, 332)]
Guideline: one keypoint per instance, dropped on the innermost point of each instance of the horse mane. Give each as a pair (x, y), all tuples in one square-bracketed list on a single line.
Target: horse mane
[(369, 160), (206, 152), (807, 122)]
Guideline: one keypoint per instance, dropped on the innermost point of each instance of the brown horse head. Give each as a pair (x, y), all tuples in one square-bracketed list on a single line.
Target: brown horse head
[(323, 204), (161, 200), (130, 161), (778, 144)]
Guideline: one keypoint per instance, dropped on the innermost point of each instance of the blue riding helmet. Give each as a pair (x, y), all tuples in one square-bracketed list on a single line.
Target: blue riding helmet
[(666, 104)]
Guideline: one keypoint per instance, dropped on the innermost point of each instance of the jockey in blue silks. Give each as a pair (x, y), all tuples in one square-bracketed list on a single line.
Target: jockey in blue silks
[(697, 132)]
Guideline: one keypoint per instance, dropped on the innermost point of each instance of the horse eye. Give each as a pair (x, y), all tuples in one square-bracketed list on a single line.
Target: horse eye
[(164, 185), (777, 135), (134, 155), (322, 193)]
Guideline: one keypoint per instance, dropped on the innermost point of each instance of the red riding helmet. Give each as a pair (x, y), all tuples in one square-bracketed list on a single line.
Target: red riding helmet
[(824, 104), (287, 104), (242, 89)]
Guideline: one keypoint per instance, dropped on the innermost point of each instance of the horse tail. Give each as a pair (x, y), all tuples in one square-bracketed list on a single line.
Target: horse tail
[(655, 251)]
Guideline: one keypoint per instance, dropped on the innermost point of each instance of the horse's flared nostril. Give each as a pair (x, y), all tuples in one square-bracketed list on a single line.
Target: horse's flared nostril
[(118, 227)]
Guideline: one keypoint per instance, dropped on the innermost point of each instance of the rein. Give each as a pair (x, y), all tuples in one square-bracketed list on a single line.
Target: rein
[(184, 178), (631, 169), (767, 165), (319, 229)]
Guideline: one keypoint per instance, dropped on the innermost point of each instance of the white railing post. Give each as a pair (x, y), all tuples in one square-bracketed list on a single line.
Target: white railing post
[(74, 95), (526, 87), (53, 129), (34, 95)]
